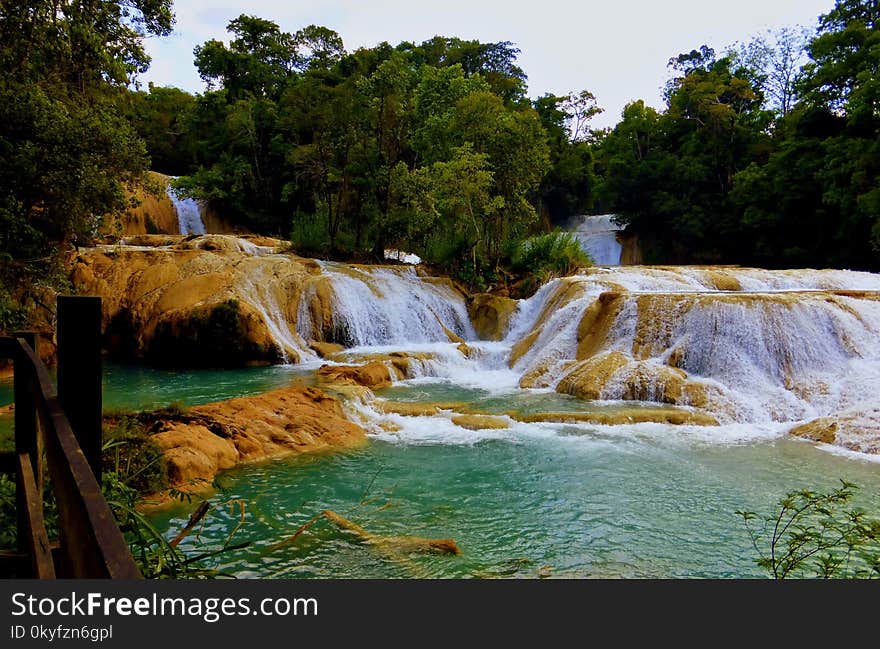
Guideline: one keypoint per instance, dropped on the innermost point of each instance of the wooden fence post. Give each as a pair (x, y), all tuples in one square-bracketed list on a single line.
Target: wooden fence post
[(25, 433), (79, 372)]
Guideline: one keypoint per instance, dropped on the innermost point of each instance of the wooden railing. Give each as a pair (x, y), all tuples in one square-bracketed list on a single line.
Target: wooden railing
[(90, 544)]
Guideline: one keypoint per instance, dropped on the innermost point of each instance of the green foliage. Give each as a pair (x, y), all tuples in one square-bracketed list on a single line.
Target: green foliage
[(132, 468), (669, 175), (162, 117), (9, 519), (8, 536), (354, 143), (817, 534), (12, 314), (155, 556), (131, 456), (719, 178), (538, 259), (308, 237), (66, 148)]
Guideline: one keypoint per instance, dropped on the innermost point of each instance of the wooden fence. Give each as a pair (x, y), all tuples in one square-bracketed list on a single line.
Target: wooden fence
[(64, 428)]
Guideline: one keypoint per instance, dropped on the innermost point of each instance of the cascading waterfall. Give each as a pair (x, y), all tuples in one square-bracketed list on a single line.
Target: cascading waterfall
[(632, 376), (189, 213), (598, 237), (773, 346), (261, 288), (385, 306), (746, 346)]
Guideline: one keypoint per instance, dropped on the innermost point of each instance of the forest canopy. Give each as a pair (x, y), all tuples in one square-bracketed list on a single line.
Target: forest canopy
[(766, 153)]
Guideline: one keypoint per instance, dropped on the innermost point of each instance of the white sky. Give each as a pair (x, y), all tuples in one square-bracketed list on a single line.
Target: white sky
[(617, 49)]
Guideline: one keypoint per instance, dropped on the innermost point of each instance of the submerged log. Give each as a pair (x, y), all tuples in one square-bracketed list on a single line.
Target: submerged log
[(392, 546), (404, 544)]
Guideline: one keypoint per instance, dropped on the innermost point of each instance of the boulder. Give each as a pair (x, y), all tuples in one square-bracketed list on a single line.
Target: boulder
[(373, 375), (183, 304), (480, 422), (325, 350), (490, 315)]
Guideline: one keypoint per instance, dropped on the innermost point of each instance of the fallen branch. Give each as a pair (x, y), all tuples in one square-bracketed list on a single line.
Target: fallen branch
[(194, 519), (403, 544), (393, 546)]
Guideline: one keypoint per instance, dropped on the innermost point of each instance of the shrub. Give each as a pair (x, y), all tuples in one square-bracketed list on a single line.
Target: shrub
[(131, 454), (308, 236), (816, 534), (555, 253)]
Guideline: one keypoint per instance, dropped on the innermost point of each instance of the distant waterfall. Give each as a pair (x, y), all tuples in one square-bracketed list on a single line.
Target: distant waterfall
[(189, 213), (598, 237)]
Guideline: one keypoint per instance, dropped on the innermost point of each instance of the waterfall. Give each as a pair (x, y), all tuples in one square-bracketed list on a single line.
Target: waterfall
[(388, 306), (750, 345), (189, 213), (260, 286), (598, 237)]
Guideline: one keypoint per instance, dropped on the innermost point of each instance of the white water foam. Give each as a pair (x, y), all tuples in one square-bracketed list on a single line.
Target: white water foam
[(773, 357), (260, 288)]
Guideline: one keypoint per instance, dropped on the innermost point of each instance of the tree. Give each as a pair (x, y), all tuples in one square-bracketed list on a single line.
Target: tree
[(494, 62), (162, 119), (434, 103), (463, 187), (773, 61), (66, 148), (568, 186), (846, 51), (579, 108), (817, 534), (259, 61), (517, 154), (816, 198), (669, 176)]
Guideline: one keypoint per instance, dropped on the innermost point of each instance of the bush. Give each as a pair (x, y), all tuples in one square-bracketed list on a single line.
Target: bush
[(555, 253), (131, 454), (12, 313), (815, 534), (451, 253), (308, 236)]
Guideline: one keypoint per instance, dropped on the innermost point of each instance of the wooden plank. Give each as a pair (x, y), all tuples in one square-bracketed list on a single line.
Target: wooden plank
[(29, 439), (92, 544), (79, 372), (25, 430), (36, 541)]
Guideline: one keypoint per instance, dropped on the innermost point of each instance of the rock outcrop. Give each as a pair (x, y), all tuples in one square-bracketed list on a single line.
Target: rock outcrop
[(155, 213), (204, 440), (490, 314), (720, 339), (373, 375), (198, 300), (856, 429), (630, 250)]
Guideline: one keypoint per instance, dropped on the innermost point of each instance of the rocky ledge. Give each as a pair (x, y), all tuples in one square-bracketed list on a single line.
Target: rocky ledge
[(201, 441)]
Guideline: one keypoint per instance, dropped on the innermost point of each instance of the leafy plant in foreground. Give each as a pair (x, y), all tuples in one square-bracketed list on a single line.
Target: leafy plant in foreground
[(816, 534)]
